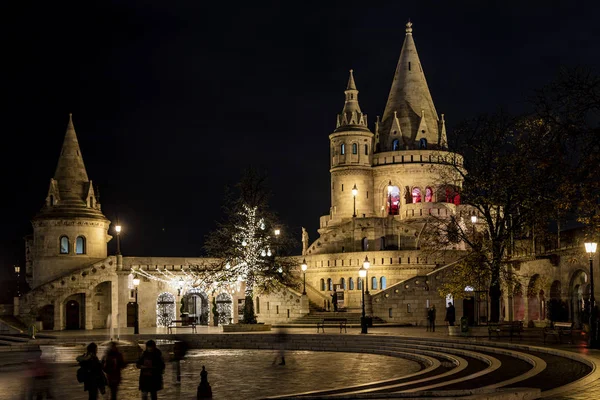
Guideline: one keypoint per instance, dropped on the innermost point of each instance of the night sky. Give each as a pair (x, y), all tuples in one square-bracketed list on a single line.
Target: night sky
[(171, 101)]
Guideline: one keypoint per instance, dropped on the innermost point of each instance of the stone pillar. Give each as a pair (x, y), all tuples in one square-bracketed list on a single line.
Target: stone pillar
[(114, 306), (59, 312), (16, 303), (89, 309), (526, 305), (119, 262), (304, 306)]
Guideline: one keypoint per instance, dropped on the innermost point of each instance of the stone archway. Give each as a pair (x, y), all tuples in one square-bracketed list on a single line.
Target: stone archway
[(74, 311), (102, 304), (165, 309), (518, 303), (225, 308), (578, 297), (536, 302), (195, 303)]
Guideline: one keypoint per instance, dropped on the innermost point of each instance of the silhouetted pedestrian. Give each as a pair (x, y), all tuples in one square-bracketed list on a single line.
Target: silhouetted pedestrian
[(432, 319), (113, 363), (281, 342), (94, 380), (152, 367), (204, 389), (179, 350), (334, 300), (450, 314)]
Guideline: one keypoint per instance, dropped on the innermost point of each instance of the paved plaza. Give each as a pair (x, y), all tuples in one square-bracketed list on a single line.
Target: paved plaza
[(249, 374)]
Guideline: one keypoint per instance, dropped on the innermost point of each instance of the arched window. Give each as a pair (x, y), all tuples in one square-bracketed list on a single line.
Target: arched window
[(366, 149), (343, 283), (393, 200), (343, 149), (165, 309), (423, 143), (80, 245), (428, 195), (374, 283), (64, 245), (329, 285), (365, 244), (416, 195), (354, 148), (350, 284), (322, 285), (383, 282), (396, 145), (360, 283)]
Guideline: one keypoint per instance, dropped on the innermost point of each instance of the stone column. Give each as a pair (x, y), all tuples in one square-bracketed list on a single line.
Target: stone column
[(89, 309), (16, 303), (114, 307), (304, 306), (59, 312)]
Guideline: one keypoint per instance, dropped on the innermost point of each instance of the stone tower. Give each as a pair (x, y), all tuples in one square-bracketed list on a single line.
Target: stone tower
[(351, 147), (70, 230)]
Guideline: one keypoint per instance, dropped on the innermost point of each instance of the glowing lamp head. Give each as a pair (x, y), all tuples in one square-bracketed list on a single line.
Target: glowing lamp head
[(180, 283), (277, 232), (390, 187), (362, 272), (590, 248), (354, 190), (366, 263), (17, 269), (118, 229), (474, 219), (304, 266), (136, 281)]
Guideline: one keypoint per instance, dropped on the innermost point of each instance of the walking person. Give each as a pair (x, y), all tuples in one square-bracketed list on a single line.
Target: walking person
[(432, 319), (428, 319), (450, 314), (152, 367), (113, 363), (281, 340), (91, 373)]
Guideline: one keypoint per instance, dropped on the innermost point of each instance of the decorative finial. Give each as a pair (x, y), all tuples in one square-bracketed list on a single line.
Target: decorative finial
[(409, 27), (351, 71)]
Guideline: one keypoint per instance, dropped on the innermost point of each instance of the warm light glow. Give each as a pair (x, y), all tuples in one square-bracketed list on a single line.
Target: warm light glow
[(474, 219), (304, 266), (366, 263), (362, 272), (118, 229), (390, 187), (277, 232), (354, 190), (136, 282), (17, 269), (180, 283), (590, 248)]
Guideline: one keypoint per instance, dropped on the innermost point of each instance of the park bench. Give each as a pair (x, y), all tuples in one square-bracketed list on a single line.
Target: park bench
[(560, 330), (341, 322), (173, 324), (511, 329)]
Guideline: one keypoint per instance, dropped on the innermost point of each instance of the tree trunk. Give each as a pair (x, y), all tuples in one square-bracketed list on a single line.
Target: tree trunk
[(495, 294)]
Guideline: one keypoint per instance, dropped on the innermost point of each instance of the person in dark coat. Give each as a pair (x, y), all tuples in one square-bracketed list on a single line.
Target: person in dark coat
[(432, 319), (94, 381), (204, 389), (334, 300), (152, 367), (450, 314), (113, 363)]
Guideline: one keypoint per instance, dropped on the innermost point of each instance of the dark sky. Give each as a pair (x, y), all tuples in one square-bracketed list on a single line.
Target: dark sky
[(172, 100)]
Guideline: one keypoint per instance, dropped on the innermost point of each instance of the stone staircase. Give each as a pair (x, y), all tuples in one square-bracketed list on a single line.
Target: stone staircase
[(316, 316)]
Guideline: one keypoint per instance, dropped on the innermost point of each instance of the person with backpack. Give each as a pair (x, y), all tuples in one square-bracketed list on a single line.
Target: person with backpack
[(152, 367), (113, 363), (90, 372)]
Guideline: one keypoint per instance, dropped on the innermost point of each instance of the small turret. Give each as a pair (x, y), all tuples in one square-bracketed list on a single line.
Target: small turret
[(351, 117)]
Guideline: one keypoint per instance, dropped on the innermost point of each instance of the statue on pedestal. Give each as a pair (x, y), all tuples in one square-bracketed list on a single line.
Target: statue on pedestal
[(304, 241)]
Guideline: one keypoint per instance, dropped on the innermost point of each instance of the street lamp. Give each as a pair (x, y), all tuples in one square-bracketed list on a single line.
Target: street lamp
[(590, 248), (118, 230), (362, 273), (18, 272), (354, 193), (277, 232), (367, 264), (136, 323), (304, 268)]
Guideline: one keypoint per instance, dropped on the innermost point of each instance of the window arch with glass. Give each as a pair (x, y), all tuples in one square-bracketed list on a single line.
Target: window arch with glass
[(374, 283), (428, 195), (396, 145), (343, 149), (350, 284), (80, 245), (416, 195), (393, 200), (64, 245), (383, 282), (354, 148)]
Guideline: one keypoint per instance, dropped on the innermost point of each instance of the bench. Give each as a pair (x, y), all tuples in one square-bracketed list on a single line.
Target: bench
[(511, 328), (559, 329), (172, 325), (341, 322)]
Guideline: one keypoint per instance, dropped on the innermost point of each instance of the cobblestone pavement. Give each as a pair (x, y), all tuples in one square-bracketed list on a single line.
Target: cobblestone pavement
[(233, 374)]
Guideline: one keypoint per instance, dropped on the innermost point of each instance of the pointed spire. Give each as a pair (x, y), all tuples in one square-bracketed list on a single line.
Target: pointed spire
[(351, 114), (70, 172), (409, 100)]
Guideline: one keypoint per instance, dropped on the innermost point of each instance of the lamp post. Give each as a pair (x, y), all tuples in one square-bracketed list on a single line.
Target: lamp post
[(367, 264), (18, 272), (304, 268), (136, 322), (362, 273), (118, 230), (354, 193), (590, 248)]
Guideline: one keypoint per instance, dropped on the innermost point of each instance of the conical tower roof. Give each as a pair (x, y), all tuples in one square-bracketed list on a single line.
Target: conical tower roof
[(70, 172), (410, 101), (71, 193), (351, 117)]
